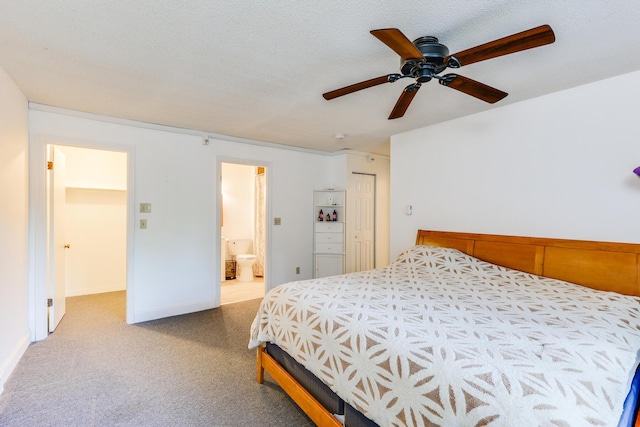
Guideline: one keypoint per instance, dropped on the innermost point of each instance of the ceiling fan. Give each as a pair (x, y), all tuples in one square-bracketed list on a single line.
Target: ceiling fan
[(426, 58)]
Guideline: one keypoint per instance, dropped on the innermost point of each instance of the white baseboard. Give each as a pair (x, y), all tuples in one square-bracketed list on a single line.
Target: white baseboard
[(174, 310), (96, 290), (8, 365)]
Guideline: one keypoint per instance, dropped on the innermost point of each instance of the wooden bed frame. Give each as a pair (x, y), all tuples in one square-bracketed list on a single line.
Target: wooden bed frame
[(600, 265)]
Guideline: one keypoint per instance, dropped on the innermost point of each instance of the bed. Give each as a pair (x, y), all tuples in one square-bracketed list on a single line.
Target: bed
[(463, 329)]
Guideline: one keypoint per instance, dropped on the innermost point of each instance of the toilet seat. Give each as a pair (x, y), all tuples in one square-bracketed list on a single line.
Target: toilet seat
[(245, 267)]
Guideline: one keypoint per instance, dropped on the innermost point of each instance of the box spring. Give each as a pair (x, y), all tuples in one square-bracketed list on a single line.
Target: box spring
[(323, 394)]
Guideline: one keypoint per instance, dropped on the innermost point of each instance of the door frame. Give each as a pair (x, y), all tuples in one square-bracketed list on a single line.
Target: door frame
[(218, 227), (38, 289), (350, 210)]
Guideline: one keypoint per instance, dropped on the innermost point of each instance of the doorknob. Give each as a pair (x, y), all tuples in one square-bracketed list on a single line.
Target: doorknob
[(67, 246)]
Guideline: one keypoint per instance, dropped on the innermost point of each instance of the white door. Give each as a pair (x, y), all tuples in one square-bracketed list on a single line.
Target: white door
[(361, 251), (57, 244)]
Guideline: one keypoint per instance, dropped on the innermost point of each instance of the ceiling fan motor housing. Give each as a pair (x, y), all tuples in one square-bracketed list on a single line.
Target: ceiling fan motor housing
[(433, 63)]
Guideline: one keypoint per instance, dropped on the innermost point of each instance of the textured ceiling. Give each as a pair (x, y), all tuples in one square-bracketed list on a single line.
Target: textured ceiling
[(257, 69)]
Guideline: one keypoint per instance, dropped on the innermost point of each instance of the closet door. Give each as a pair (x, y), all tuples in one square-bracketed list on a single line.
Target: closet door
[(361, 240)]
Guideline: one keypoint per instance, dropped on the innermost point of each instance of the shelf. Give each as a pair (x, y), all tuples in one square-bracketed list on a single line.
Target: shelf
[(77, 187), (329, 236)]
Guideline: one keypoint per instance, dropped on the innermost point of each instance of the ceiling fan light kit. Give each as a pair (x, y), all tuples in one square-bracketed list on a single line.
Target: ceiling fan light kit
[(425, 58)]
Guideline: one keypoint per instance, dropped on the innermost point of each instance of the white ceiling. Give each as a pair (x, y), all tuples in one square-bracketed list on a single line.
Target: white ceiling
[(256, 69)]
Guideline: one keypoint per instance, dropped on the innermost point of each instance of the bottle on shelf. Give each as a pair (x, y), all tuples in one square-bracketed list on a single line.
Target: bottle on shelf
[(328, 217), (335, 216), (320, 216)]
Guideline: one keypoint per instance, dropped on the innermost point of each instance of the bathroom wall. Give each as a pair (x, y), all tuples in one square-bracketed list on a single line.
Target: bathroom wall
[(238, 192)]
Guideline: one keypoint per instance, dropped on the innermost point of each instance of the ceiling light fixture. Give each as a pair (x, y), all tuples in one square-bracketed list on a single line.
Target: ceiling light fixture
[(340, 135)]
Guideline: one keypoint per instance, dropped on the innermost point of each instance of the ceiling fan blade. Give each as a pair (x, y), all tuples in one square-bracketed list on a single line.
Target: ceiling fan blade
[(397, 41), (359, 86), (473, 88), (403, 102), (534, 37)]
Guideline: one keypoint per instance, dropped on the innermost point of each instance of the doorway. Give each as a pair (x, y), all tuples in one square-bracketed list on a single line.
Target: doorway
[(243, 221), (87, 210)]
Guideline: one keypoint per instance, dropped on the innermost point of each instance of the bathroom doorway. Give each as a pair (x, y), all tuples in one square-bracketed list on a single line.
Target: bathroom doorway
[(243, 221)]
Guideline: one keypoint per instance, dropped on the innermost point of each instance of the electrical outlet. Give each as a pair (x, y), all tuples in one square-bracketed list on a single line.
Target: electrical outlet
[(277, 221), (297, 270), (143, 224)]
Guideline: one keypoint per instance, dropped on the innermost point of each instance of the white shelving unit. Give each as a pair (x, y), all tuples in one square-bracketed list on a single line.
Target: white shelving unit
[(329, 232)]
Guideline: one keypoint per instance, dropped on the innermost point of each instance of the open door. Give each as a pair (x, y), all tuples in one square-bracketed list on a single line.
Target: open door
[(56, 201)]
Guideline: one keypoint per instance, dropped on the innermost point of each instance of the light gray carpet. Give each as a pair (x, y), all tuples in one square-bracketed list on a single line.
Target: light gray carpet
[(191, 370)]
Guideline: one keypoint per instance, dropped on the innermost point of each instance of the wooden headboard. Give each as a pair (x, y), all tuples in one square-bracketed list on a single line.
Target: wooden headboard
[(600, 265)]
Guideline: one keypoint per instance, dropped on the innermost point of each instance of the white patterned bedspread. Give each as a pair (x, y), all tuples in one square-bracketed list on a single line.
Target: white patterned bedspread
[(442, 338)]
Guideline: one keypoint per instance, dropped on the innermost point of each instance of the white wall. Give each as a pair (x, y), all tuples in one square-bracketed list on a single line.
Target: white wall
[(102, 169), (96, 222), (556, 166), (14, 226), (238, 190), (176, 259)]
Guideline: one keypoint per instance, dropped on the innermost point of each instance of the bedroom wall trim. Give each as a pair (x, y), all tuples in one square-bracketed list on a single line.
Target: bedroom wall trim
[(174, 310), (166, 128), (606, 266), (8, 365)]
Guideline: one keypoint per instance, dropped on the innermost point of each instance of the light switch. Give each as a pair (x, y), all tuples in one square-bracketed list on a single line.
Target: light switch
[(143, 224), (277, 221), (145, 207)]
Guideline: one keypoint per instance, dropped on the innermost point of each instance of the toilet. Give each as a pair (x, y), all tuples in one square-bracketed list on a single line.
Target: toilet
[(240, 249)]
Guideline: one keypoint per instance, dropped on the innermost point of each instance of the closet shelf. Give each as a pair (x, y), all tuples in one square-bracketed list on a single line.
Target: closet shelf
[(85, 187)]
